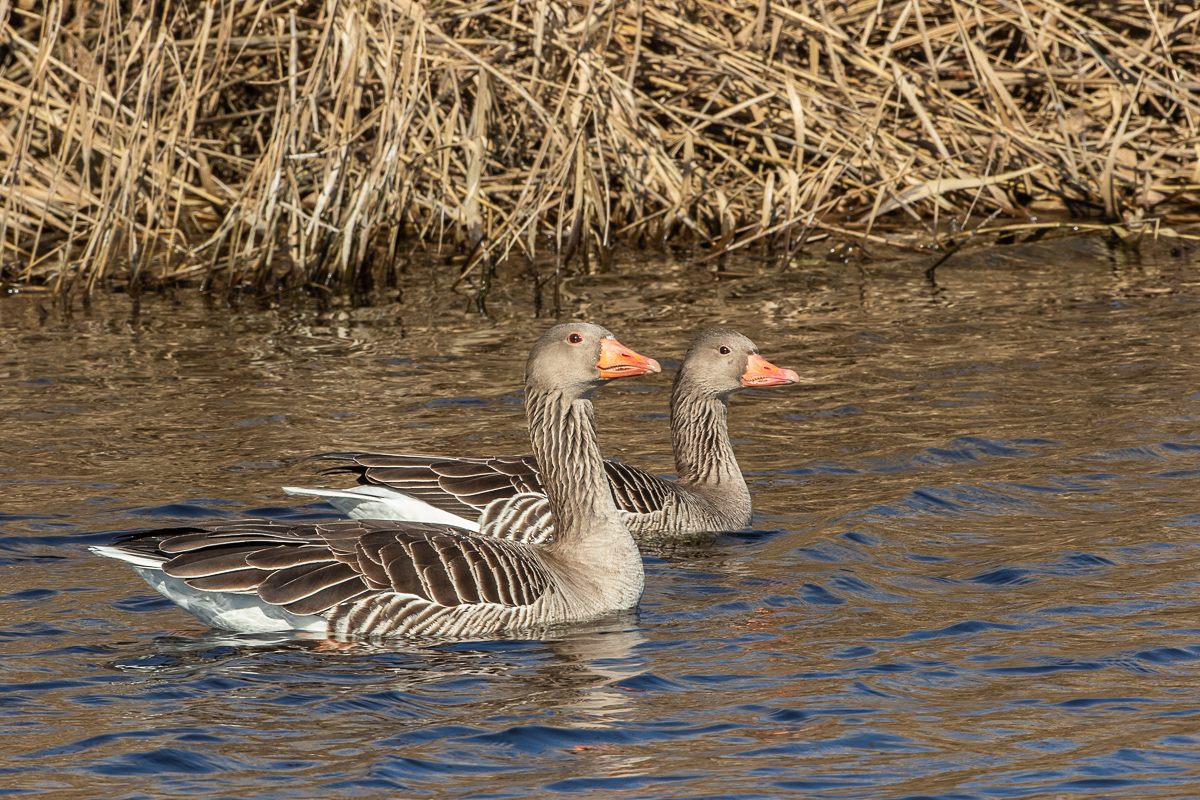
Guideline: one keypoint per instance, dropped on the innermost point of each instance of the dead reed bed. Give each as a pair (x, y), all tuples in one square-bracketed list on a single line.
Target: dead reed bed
[(245, 143)]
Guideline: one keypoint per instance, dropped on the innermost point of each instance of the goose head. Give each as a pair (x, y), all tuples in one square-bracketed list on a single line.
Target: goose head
[(579, 357), (721, 362)]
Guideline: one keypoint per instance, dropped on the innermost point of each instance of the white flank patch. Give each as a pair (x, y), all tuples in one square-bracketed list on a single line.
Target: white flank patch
[(231, 611), (379, 502), (245, 613)]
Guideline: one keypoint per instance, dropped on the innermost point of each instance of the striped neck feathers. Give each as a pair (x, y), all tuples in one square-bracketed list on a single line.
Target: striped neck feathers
[(700, 436), (562, 430)]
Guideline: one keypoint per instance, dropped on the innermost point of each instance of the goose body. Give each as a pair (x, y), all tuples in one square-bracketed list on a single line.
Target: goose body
[(388, 578), (710, 494)]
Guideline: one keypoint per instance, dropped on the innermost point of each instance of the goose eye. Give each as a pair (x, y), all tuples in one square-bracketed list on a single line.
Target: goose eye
[(724, 350), (574, 338)]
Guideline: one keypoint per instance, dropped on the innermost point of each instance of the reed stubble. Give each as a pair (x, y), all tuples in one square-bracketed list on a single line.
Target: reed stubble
[(251, 144)]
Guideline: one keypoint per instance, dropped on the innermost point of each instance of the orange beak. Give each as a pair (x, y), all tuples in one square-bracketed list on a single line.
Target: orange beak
[(618, 361), (760, 372)]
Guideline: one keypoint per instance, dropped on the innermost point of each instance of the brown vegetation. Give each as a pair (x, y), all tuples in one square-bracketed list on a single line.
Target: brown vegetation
[(300, 142)]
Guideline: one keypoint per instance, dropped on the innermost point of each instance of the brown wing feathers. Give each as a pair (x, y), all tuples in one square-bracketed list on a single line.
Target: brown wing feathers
[(310, 569), (461, 486), (466, 486), (636, 490), (312, 588)]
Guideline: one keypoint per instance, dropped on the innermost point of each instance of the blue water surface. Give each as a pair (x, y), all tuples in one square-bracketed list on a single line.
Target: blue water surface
[(972, 571)]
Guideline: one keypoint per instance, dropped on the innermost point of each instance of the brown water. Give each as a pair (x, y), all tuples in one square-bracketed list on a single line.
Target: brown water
[(972, 570)]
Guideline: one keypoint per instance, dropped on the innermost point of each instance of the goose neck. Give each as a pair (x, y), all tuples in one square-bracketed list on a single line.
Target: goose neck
[(700, 436), (562, 430)]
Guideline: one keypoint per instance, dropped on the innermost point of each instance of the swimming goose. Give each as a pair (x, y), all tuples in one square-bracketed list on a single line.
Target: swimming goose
[(710, 495), (364, 578)]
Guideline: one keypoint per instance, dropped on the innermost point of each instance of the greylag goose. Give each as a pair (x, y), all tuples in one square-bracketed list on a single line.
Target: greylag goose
[(364, 578), (710, 495)]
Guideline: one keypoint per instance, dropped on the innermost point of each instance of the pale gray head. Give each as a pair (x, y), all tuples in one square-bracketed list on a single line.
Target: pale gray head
[(721, 362), (578, 357)]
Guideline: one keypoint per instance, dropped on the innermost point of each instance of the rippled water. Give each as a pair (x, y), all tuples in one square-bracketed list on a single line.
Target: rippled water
[(972, 570)]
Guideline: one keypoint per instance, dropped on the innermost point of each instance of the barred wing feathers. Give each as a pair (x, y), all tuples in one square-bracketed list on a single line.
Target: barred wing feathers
[(352, 568), (524, 518), (467, 486), (637, 491), (463, 486)]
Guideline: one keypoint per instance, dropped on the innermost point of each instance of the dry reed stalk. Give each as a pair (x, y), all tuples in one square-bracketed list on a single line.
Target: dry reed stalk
[(298, 142)]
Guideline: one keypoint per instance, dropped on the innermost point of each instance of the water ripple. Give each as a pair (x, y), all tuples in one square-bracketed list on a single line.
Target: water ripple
[(973, 569)]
